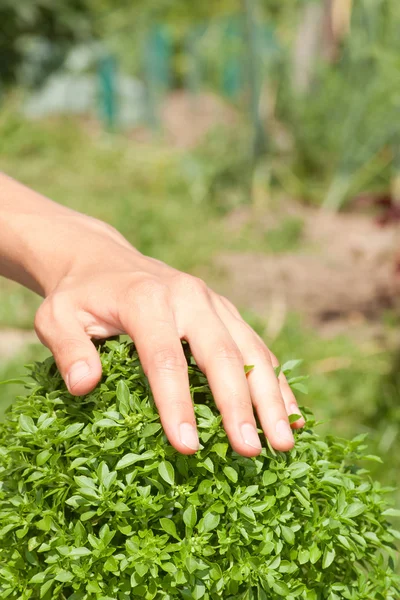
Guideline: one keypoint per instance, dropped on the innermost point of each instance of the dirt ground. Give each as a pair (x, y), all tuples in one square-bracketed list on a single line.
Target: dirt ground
[(13, 341), (343, 273)]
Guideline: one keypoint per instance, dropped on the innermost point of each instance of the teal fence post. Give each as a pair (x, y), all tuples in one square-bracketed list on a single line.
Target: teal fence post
[(157, 71), (232, 71), (254, 70), (107, 74), (194, 71)]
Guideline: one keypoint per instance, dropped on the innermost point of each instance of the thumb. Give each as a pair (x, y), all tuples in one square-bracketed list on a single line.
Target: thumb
[(76, 356)]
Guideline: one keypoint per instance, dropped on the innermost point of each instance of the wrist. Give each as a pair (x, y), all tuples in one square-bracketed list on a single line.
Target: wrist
[(40, 240)]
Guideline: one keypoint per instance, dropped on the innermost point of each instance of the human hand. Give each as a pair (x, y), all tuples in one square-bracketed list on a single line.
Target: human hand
[(109, 288)]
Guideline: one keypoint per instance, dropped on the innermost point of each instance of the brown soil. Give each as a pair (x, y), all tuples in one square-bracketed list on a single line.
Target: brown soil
[(13, 341), (344, 272), (187, 119)]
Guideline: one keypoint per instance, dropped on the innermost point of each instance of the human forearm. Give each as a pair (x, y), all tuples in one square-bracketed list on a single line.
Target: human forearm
[(39, 239)]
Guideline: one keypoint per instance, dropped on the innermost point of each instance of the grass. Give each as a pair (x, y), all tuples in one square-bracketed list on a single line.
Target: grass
[(150, 192)]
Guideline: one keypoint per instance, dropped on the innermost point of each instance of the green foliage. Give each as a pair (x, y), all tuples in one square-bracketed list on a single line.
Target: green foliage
[(94, 503), (28, 26)]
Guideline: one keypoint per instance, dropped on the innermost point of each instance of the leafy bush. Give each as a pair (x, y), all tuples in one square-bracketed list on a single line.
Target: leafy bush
[(95, 504)]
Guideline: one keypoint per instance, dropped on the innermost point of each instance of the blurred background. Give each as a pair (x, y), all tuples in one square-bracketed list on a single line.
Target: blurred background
[(254, 143)]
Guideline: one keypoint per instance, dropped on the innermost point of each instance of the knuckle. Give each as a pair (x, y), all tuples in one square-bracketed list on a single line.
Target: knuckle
[(41, 319), (228, 351), (57, 306), (261, 352), (191, 285), (168, 359), (275, 399), (241, 401), (144, 289)]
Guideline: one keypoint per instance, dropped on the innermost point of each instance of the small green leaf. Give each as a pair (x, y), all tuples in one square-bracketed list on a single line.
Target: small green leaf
[(315, 554), (248, 368), (106, 423), (190, 516), (123, 397), (391, 512), (281, 588), (167, 472), (64, 576), (43, 457), (38, 578), (45, 587), (303, 556), (130, 459), (210, 522), (288, 534), (269, 477), (353, 510), (26, 423), (329, 556), (299, 387), (290, 365), (71, 431), (150, 429), (298, 469), (294, 417), (231, 474), (79, 552), (170, 527)]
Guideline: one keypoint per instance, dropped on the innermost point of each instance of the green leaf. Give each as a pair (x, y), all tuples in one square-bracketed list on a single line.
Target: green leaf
[(190, 516), (46, 587), (43, 457), (298, 469), (220, 449), (64, 576), (315, 554), (269, 477), (353, 510), (150, 430), (123, 397), (303, 556), (294, 417), (290, 365), (299, 387), (288, 534), (281, 588), (107, 423), (26, 424), (169, 526), (391, 512), (210, 522), (329, 556), (130, 459), (79, 552), (38, 578), (231, 474), (248, 368), (71, 431), (167, 472)]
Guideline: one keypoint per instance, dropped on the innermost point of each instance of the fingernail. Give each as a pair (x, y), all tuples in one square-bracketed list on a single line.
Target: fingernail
[(250, 436), (189, 436), (284, 431), (78, 371)]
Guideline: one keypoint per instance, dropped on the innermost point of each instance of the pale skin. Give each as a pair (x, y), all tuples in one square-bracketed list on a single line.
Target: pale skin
[(95, 284)]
